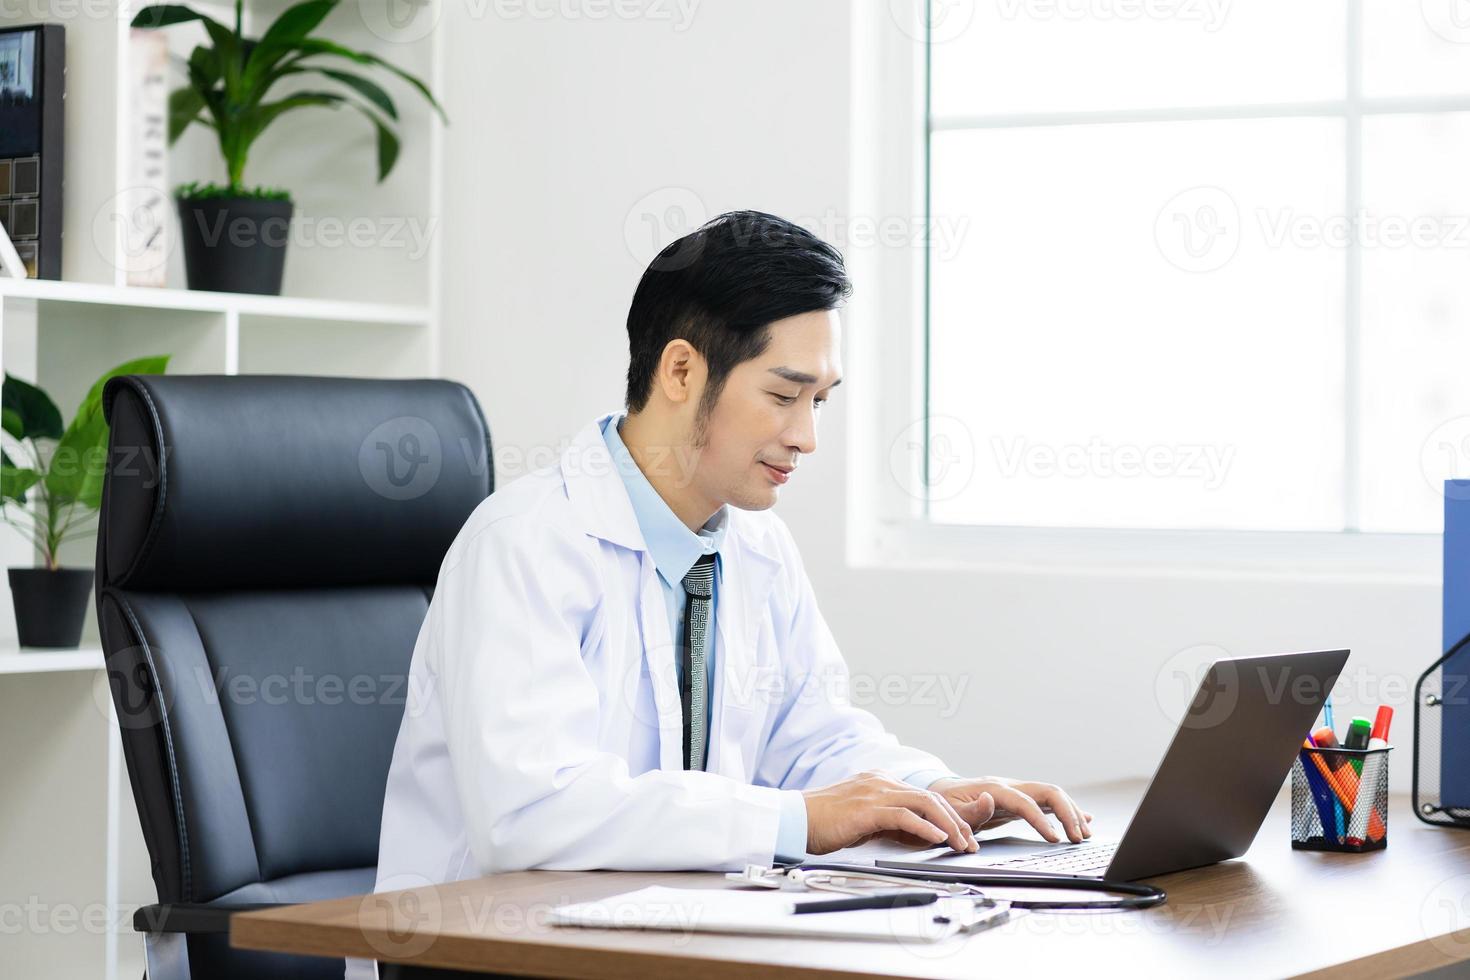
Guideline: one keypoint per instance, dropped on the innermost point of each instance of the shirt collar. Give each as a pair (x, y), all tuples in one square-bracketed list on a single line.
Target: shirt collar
[(672, 545)]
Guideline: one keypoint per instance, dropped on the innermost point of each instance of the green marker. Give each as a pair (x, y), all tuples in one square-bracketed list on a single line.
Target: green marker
[(1358, 734)]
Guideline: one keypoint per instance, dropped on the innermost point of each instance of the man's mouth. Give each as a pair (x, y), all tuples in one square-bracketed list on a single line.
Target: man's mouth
[(778, 474)]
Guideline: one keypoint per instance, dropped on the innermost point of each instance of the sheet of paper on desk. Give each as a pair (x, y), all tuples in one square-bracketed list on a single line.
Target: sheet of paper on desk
[(769, 913)]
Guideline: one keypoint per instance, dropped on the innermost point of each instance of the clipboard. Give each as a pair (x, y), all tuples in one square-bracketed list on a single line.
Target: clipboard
[(768, 913)]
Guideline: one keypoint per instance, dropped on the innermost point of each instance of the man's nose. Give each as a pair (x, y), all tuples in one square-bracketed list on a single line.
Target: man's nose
[(802, 436)]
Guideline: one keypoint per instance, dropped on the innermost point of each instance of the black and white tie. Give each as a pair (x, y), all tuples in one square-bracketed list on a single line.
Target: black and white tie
[(698, 588)]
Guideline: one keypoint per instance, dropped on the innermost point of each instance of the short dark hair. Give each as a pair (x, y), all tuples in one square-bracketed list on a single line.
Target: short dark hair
[(720, 288)]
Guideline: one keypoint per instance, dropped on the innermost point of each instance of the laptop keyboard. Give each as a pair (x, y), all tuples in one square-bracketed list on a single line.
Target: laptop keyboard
[(1081, 859)]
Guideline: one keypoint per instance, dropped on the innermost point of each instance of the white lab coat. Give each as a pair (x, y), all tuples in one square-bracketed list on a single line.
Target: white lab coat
[(543, 726)]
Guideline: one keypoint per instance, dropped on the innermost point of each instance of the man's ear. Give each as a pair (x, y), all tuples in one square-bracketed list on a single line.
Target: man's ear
[(677, 370)]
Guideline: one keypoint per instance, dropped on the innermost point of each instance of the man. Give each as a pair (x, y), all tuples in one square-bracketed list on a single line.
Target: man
[(624, 665)]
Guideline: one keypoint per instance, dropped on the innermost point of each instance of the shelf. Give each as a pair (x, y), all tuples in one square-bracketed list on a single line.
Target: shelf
[(275, 307), (19, 660)]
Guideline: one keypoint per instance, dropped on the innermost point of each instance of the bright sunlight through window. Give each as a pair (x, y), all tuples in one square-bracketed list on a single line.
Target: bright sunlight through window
[(1225, 283)]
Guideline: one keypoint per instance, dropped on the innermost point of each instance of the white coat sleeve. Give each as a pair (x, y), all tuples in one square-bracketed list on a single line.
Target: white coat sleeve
[(818, 737), (521, 722)]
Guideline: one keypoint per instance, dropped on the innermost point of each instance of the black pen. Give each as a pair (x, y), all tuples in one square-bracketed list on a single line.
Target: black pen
[(891, 900)]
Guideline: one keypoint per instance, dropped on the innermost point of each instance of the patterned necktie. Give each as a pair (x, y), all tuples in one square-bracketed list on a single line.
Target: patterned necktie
[(698, 588)]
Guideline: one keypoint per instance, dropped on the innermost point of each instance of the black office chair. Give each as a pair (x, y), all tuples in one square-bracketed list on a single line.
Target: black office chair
[(266, 554)]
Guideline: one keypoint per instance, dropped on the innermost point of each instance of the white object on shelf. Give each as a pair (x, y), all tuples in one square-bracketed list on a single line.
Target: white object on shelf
[(143, 205), (10, 262), (21, 660)]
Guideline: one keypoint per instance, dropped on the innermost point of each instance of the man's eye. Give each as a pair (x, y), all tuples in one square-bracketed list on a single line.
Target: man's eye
[(783, 399), (819, 402)]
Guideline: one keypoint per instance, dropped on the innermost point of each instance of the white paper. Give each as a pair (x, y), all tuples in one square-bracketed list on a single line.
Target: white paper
[(769, 913)]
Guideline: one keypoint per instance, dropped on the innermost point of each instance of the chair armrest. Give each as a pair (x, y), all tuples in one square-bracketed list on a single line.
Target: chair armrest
[(191, 917)]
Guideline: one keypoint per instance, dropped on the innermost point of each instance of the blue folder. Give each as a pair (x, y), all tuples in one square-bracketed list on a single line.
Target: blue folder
[(1454, 756)]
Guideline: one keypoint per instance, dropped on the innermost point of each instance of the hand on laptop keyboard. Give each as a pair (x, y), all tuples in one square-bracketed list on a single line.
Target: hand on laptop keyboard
[(995, 800)]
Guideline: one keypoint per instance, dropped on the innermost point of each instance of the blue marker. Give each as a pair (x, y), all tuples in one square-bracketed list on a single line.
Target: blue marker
[(1327, 714)]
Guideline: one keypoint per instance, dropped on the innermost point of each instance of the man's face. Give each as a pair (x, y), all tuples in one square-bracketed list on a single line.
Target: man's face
[(766, 416)]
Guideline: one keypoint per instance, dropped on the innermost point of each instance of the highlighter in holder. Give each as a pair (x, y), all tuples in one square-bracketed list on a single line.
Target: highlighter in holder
[(1321, 777)]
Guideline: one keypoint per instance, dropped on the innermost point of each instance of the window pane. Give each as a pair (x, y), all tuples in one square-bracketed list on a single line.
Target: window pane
[(1133, 328), (1416, 47), (1028, 55), (1416, 304)]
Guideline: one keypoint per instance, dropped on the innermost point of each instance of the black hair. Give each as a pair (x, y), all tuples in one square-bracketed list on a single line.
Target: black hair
[(720, 287)]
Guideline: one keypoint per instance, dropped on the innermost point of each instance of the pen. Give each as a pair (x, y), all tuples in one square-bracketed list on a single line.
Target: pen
[(892, 900), (1321, 792), (1357, 738), (1327, 716), (1365, 817), (1326, 738)]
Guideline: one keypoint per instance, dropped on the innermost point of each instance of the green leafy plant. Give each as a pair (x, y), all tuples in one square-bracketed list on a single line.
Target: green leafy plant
[(195, 191), (231, 79), (61, 468)]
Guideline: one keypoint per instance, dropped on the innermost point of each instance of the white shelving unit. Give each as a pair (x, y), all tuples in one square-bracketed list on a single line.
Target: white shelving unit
[(364, 305), (19, 660)]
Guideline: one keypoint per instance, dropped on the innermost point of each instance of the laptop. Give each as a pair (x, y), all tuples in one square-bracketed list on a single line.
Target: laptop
[(1233, 750)]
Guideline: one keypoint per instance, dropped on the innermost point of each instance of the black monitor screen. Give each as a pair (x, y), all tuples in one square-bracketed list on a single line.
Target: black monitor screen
[(20, 102)]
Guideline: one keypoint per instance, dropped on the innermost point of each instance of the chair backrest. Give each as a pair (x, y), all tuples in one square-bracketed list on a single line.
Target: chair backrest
[(266, 554)]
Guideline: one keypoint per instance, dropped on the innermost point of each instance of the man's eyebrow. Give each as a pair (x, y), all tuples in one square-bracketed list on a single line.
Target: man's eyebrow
[(800, 377)]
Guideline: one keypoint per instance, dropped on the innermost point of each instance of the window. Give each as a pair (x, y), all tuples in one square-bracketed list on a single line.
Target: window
[(1198, 264)]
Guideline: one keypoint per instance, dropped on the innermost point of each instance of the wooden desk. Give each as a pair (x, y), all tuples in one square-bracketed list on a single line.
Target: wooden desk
[(1277, 912)]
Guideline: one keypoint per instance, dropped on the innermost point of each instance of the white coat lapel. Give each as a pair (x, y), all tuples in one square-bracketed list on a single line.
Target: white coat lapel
[(742, 687), (597, 492)]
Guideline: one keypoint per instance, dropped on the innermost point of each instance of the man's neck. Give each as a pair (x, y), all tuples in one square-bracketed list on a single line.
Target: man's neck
[(667, 462)]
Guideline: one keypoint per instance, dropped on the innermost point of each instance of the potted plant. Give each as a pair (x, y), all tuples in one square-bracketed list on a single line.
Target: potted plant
[(235, 236), (50, 489)]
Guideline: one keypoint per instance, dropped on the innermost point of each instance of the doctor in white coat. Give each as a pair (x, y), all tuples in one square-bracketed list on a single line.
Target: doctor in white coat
[(577, 700)]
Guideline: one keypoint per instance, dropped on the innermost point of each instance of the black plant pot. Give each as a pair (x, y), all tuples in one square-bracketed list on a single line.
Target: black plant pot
[(235, 244), (50, 606)]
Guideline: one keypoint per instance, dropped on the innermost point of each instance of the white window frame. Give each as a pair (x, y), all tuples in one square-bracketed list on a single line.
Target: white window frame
[(886, 526)]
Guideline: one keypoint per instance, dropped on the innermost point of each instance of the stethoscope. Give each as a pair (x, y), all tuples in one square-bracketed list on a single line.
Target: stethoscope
[(857, 879)]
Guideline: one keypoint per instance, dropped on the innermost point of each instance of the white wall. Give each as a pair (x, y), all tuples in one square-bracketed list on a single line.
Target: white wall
[(566, 130)]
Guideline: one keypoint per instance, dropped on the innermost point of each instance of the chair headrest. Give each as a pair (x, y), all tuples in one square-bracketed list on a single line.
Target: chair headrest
[(261, 481)]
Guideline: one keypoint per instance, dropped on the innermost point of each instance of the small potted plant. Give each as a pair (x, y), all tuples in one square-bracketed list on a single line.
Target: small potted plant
[(235, 236), (50, 489)]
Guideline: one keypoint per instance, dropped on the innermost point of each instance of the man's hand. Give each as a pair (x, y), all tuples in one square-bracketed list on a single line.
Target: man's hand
[(992, 801), (871, 804)]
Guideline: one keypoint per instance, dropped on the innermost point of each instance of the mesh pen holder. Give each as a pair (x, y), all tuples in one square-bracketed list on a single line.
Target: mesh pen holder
[(1339, 800)]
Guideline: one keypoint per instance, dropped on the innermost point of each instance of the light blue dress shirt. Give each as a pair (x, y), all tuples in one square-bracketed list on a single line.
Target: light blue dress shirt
[(674, 549)]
